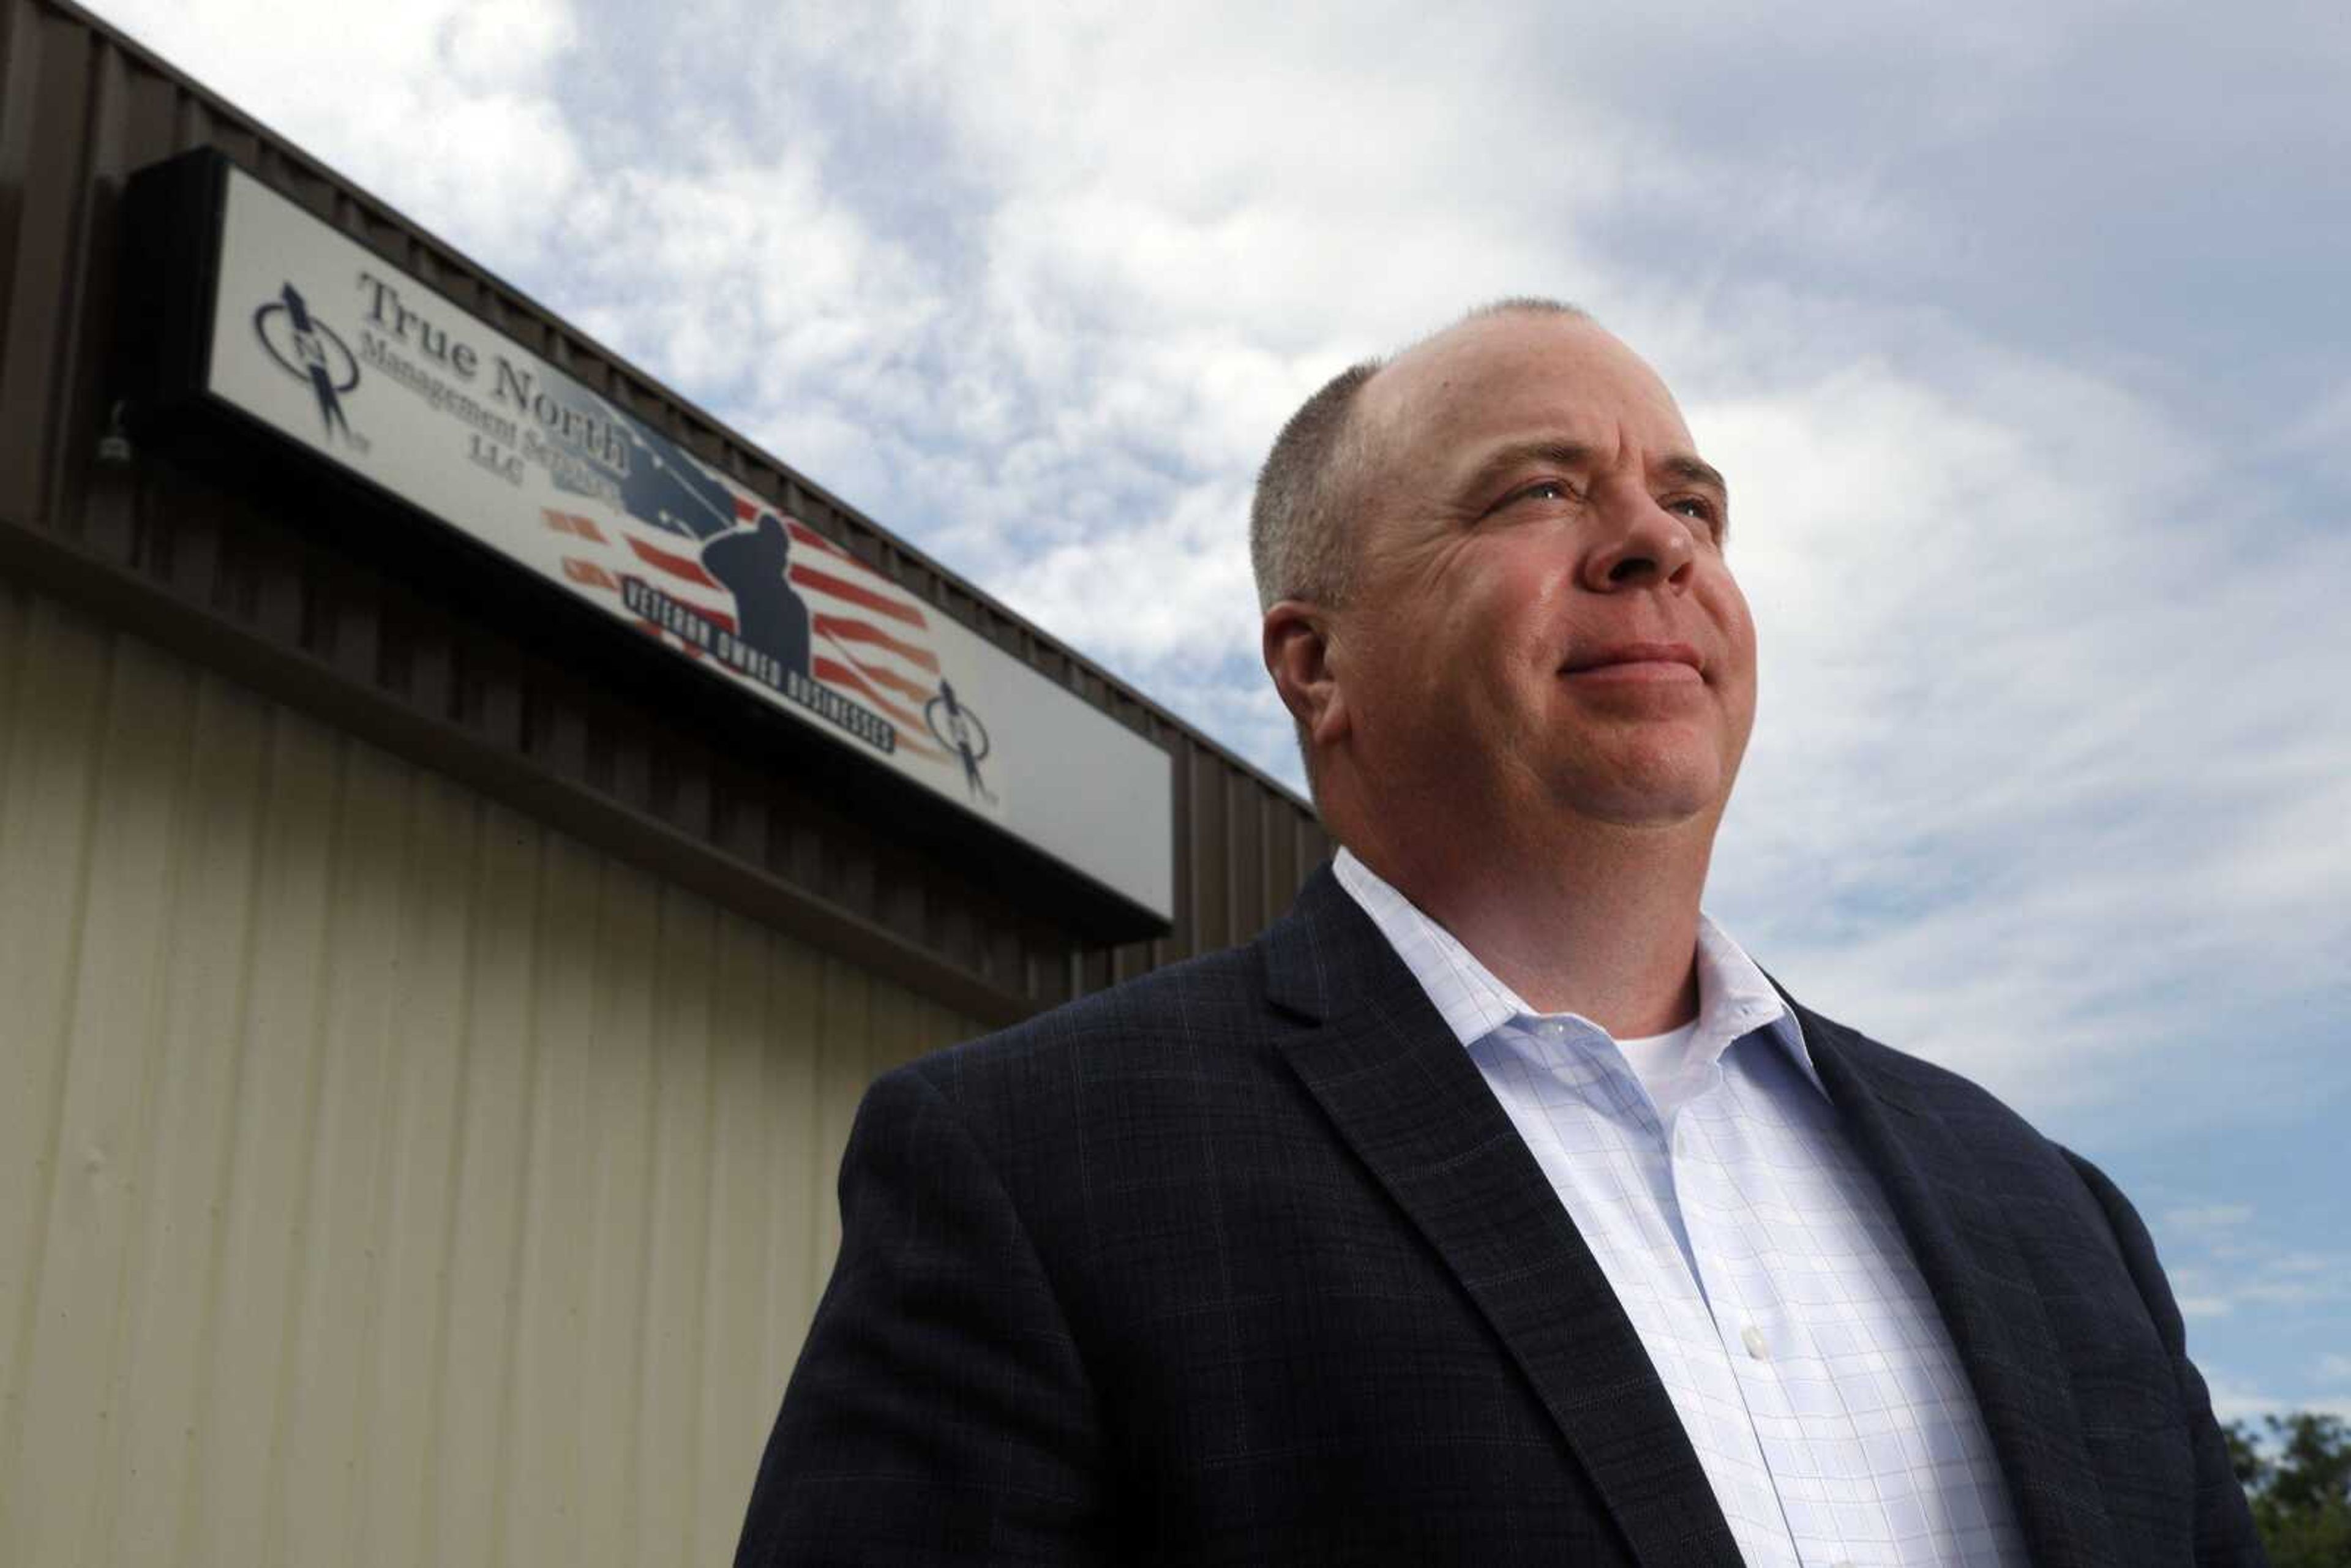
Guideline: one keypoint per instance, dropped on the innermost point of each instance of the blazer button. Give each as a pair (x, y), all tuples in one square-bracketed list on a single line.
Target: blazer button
[(1752, 1338)]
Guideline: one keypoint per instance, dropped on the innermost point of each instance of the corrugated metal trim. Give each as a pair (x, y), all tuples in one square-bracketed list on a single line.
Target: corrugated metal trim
[(392, 1180)]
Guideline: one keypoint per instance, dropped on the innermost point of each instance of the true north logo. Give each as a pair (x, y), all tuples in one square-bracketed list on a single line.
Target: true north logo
[(958, 729), (309, 351)]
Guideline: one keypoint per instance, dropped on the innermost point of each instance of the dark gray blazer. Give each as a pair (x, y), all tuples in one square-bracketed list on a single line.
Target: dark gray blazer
[(1242, 1262)]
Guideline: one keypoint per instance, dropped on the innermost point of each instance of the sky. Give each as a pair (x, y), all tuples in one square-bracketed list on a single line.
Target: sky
[(2015, 327)]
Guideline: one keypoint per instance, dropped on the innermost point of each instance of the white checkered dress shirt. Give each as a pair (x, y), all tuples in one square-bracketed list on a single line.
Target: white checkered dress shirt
[(1755, 1256)]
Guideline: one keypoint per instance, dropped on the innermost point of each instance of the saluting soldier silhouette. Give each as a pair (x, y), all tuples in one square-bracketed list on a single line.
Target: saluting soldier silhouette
[(769, 616)]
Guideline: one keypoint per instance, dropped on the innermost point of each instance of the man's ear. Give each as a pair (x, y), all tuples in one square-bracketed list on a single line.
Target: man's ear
[(1296, 643)]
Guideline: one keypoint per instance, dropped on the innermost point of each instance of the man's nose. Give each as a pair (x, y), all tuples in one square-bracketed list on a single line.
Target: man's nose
[(1639, 544)]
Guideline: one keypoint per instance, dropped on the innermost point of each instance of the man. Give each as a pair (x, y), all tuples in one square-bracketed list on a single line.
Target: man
[(1492, 1207)]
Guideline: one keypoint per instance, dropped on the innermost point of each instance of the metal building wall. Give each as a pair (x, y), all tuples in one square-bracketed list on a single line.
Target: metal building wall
[(388, 1178)]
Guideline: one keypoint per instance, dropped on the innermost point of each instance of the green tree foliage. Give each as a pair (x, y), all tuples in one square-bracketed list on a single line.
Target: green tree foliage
[(2297, 1475)]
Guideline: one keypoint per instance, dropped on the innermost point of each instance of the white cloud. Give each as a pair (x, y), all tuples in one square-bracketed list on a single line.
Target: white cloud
[(1200, 599), (2040, 749), (743, 276), (2240, 1288), (2321, 436), (2250, 1401), (443, 108), (2222, 1262), (2234, 1401)]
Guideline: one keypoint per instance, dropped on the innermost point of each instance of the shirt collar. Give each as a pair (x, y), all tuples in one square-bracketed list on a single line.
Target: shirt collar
[(1734, 998)]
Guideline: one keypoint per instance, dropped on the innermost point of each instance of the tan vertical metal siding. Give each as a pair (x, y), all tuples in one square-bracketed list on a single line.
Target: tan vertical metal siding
[(389, 1179)]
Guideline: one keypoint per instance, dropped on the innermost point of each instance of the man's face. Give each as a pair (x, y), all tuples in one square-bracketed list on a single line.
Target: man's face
[(1539, 619)]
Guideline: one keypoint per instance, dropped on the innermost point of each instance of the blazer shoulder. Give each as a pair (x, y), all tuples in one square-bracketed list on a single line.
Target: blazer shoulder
[(1928, 1089), (2008, 1149), (1215, 997)]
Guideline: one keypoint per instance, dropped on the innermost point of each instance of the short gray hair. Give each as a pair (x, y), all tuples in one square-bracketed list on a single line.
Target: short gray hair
[(1312, 479), (1297, 533)]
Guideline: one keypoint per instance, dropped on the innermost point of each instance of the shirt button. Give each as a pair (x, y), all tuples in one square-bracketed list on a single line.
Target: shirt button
[(1752, 1338)]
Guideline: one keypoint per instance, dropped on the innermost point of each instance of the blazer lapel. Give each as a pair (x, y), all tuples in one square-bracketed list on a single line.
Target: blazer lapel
[(1404, 1094), (1961, 1235)]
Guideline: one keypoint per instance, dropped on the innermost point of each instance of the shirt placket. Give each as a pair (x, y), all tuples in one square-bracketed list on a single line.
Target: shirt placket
[(1762, 1338), (1711, 1392)]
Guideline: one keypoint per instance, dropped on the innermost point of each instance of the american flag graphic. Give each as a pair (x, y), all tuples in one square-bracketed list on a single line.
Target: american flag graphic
[(869, 639)]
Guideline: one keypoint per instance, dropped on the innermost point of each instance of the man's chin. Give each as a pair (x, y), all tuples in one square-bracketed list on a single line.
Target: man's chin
[(1661, 793)]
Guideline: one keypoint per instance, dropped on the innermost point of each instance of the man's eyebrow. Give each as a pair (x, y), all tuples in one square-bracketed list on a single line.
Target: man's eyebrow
[(1687, 468), (1695, 471), (1519, 454)]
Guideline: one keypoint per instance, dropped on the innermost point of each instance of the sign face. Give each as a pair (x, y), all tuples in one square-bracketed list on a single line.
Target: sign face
[(320, 338)]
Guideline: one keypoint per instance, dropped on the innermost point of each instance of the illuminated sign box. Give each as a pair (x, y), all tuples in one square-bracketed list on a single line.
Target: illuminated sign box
[(291, 324)]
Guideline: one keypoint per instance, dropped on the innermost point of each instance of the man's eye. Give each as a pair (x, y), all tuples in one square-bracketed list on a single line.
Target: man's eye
[(1546, 490), (1697, 507)]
